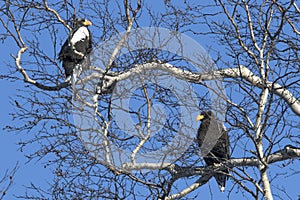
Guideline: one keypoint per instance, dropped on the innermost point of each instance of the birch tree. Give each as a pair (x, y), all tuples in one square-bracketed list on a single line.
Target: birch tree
[(253, 46)]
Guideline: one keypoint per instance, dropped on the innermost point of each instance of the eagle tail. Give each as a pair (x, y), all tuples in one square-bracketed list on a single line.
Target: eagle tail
[(221, 181)]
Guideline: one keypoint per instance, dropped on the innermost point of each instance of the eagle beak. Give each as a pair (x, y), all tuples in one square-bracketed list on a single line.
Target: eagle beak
[(199, 117), (87, 23)]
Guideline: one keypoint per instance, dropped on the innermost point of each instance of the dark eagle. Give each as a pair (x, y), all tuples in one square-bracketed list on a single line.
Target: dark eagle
[(76, 47), (220, 150)]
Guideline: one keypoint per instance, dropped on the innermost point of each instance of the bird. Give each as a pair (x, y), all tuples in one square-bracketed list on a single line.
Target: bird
[(214, 152), (76, 47)]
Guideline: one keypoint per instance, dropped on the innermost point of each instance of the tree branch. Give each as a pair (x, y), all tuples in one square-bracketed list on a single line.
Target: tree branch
[(27, 79), (237, 72), (56, 15), (201, 181), (288, 152)]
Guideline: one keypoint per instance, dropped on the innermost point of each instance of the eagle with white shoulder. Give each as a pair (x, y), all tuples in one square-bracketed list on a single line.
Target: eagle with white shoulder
[(76, 47)]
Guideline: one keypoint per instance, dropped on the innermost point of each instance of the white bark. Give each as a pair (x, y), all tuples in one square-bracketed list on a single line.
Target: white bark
[(288, 152), (237, 72), (262, 164)]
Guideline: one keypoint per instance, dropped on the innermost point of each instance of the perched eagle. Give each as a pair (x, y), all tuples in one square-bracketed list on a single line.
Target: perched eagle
[(76, 47), (214, 152)]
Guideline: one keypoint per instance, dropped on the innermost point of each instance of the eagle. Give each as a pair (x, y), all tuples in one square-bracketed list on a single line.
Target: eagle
[(76, 47), (214, 152)]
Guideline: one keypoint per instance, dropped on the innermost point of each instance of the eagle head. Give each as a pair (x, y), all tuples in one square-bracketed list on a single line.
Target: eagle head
[(204, 115)]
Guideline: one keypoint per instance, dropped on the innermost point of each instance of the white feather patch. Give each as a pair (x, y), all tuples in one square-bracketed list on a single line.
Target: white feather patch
[(81, 34), (222, 188)]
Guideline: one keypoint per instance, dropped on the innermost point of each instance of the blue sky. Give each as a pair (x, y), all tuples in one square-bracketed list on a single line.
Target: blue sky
[(35, 171), (10, 154)]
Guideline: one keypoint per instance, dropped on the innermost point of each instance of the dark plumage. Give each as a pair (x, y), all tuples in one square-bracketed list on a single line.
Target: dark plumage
[(76, 47), (220, 151)]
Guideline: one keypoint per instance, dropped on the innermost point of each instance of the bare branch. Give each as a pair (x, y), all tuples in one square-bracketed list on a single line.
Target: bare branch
[(201, 181), (57, 15), (238, 72), (288, 152), (27, 79), (130, 21), (7, 181), (237, 31)]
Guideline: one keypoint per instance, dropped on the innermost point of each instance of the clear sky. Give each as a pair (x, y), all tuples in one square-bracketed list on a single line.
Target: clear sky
[(10, 154)]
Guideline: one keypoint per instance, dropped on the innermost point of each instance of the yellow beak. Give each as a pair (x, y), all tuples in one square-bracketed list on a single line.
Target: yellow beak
[(87, 23), (199, 117)]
